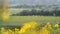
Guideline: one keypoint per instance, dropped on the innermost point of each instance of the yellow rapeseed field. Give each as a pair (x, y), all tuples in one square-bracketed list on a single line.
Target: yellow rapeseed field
[(30, 28)]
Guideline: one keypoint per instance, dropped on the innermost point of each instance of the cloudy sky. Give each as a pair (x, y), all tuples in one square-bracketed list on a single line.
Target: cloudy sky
[(16, 2)]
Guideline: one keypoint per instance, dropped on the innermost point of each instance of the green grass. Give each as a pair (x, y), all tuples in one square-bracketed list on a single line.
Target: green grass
[(19, 20)]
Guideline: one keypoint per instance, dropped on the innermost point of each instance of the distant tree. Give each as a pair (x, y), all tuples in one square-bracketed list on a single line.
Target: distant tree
[(24, 13)]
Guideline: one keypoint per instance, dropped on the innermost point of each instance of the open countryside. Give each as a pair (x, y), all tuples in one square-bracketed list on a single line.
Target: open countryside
[(29, 18)]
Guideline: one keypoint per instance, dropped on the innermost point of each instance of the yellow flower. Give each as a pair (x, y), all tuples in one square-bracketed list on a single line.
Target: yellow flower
[(27, 26), (10, 31), (3, 30), (56, 25), (48, 25), (46, 29), (16, 31), (6, 32)]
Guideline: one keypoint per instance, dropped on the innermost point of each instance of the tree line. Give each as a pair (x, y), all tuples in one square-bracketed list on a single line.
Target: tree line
[(38, 13)]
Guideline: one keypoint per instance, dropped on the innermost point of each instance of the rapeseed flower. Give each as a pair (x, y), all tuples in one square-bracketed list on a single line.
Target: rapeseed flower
[(46, 29), (28, 27), (57, 26)]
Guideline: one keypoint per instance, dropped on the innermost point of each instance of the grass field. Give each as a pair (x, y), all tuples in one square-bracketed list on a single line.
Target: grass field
[(17, 20), (33, 25)]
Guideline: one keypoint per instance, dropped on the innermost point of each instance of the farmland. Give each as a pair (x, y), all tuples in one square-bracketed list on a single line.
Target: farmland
[(29, 18), (15, 20), (32, 25)]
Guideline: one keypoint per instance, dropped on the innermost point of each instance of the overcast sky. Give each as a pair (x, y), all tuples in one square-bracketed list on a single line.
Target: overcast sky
[(16, 2)]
